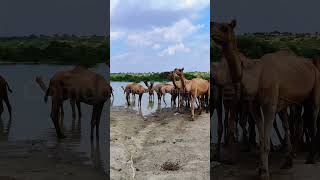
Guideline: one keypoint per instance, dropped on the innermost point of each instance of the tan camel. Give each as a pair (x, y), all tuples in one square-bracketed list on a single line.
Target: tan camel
[(168, 88), (157, 89), (4, 88), (195, 88), (82, 86), (284, 79), (135, 88)]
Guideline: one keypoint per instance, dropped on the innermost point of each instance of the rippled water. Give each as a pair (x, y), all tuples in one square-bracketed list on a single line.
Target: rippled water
[(146, 106), (31, 116)]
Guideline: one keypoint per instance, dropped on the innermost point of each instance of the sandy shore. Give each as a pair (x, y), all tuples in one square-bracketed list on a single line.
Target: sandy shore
[(140, 146), (245, 166), (34, 160)]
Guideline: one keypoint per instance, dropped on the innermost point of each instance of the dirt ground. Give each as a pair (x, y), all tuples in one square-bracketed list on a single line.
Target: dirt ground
[(246, 163), (34, 160), (140, 146)]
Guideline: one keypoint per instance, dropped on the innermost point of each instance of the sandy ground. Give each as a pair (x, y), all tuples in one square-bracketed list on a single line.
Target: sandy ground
[(34, 160), (245, 166), (141, 145)]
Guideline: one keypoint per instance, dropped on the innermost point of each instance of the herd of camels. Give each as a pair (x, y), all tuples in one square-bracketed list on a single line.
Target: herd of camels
[(253, 91), (79, 85), (188, 92)]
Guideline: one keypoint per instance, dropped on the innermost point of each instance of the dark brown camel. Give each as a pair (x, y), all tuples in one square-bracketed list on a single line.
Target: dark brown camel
[(82, 86)]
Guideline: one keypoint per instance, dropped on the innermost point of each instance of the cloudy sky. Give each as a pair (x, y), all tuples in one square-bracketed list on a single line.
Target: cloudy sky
[(269, 15), (80, 17), (155, 36)]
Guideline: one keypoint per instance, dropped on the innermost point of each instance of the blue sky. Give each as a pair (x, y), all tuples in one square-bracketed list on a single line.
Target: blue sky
[(156, 36)]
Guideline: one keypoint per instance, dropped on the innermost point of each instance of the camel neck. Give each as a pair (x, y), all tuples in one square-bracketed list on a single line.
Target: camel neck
[(174, 81), (183, 81), (231, 54)]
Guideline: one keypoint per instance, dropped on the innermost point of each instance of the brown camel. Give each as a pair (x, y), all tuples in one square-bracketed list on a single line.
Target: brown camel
[(168, 88), (157, 89), (4, 88), (135, 88), (195, 88), (82, 86), (284, 79)]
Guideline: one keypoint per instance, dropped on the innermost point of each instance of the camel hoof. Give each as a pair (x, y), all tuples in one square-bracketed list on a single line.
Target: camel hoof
[(263, 174)]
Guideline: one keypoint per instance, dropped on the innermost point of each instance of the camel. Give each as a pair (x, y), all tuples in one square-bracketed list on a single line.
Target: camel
[(281, 79), (168, 88), (4, 89), (150, 90), (42, 85), (195, 88), (82, 86), (134, 88), (157, 89)]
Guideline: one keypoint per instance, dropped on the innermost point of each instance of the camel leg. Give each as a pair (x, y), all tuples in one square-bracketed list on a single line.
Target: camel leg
[(220, 125), (79, 109), (289, 159), (164, 99), (62, 113), (1, 107), (226, 126), (140, 98), (55, 112), (265, 128), (6, 100), (128, 98), (243, 124), (93, 119), (232, 126), (313, 133), (192, 107), (275, 126), (98, 117), (73, 108)]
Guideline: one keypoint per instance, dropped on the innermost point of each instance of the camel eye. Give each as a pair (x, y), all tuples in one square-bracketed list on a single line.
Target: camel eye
[(224, 29)]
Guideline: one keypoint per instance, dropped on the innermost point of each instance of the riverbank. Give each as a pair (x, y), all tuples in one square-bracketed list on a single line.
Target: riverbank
[(245, 165), (35, 160), (163, 145)]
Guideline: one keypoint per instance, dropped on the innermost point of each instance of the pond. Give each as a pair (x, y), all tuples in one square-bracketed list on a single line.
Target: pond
[(146, 106), (31, 115)]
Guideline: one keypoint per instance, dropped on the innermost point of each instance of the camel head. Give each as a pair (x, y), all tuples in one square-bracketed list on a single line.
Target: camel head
[(150, 87), (178, 71), (223, 33)]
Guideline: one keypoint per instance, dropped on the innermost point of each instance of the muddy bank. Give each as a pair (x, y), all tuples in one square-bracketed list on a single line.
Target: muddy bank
[(35, 160), (164, 145), (245, 165)]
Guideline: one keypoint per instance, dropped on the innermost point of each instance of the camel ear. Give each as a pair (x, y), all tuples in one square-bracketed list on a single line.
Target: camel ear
[(182, 69), (233, 23)]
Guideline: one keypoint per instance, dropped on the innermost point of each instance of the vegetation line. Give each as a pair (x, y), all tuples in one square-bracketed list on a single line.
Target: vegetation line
[(153, 76), (57, 49)]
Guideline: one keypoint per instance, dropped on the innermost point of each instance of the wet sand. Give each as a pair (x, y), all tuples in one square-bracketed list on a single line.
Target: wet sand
[(246, 163), (141, 145), (35, 160)]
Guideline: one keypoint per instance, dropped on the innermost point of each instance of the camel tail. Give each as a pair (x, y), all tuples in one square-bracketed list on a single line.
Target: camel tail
[(42, 85), (44, 88), (8, 87)]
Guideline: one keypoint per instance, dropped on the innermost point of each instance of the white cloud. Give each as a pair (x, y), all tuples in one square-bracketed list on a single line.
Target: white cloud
[(172, 50), (156, 46), (116, 35)]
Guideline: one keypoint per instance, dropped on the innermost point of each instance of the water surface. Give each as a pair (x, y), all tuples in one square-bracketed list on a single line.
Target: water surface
[(31, 116)]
